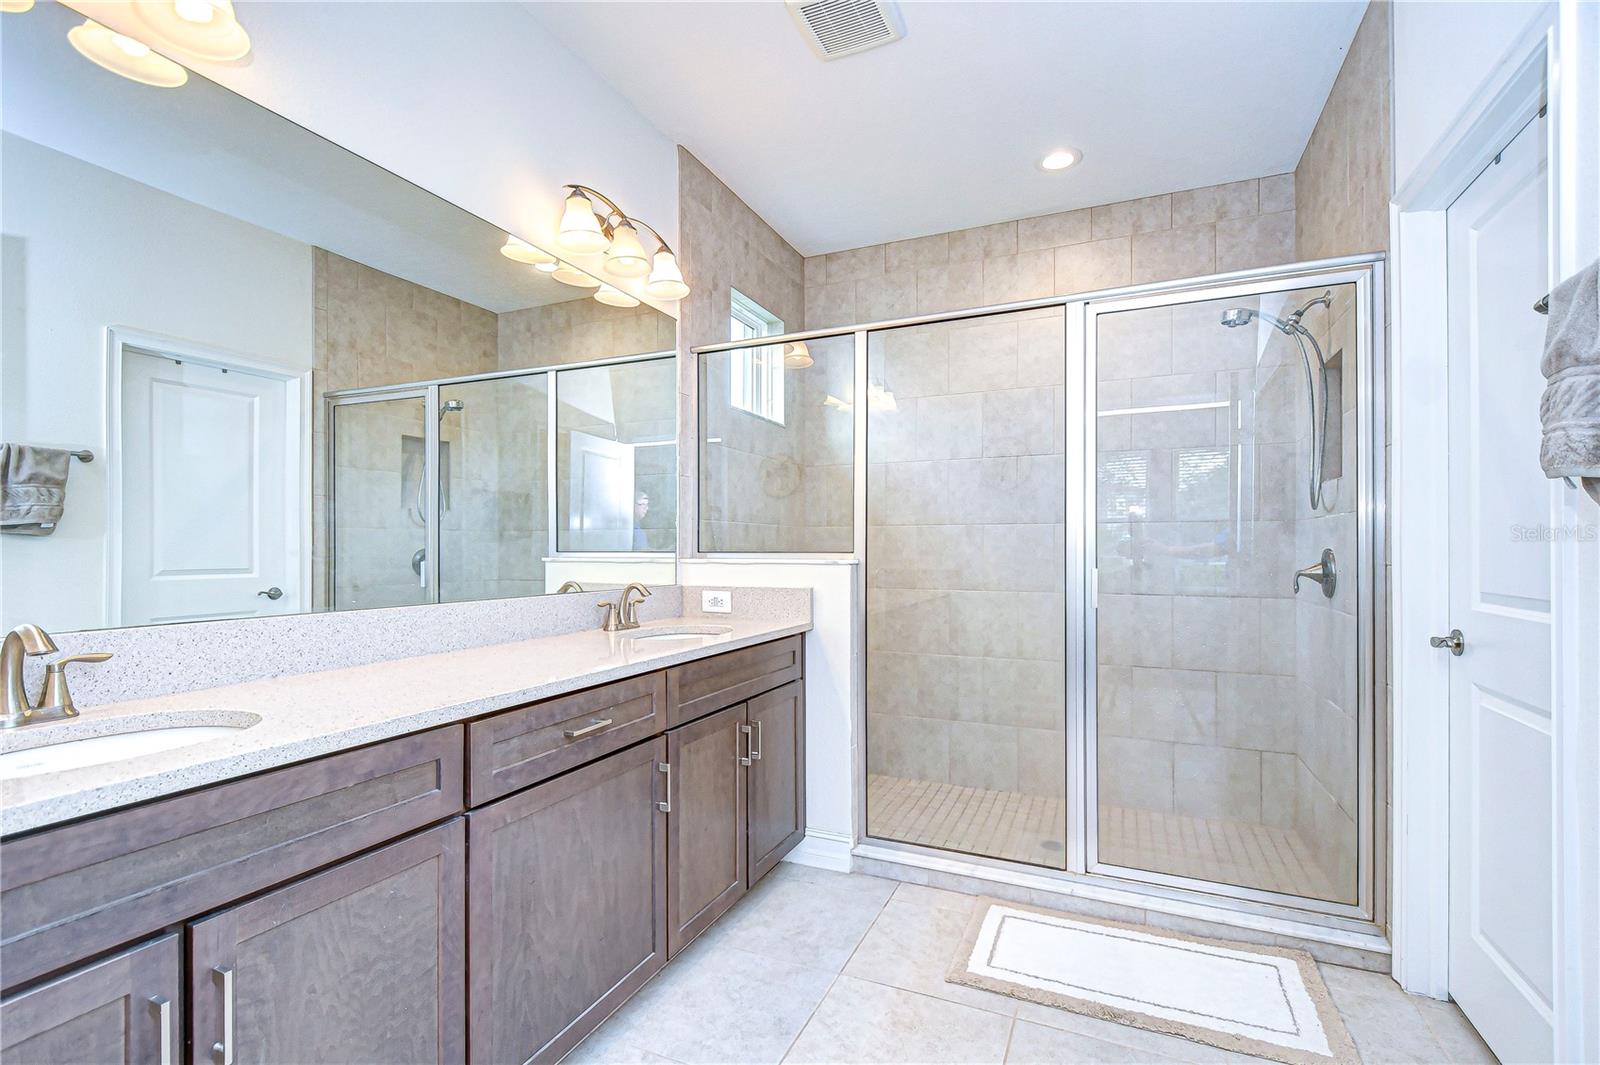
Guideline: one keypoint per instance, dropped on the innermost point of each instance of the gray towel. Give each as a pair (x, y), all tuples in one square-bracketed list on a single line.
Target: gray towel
[(33, 488), (1570, 408)]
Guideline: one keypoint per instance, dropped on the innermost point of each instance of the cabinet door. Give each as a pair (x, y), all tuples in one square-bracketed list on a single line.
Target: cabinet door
[(363, 962), (706, 856), (568, 904), (122, 1009), (777, 775)]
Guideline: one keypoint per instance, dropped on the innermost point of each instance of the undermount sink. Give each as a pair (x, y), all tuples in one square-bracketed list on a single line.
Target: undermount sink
[(677, 632), (83, 742)]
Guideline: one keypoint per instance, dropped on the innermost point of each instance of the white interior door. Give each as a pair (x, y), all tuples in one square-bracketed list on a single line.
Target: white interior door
[(208, 465), (600, 515), (1501, 773)]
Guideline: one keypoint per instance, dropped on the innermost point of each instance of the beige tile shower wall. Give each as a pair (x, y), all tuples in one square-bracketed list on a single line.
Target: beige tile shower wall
[(580, 330), (1235, 226), (1343, 185), (373, 328), (724, 245)]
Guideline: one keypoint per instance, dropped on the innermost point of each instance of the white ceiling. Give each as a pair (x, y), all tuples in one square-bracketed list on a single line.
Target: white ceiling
[(944, 129)]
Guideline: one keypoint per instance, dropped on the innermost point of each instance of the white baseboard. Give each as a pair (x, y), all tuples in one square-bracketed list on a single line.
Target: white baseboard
[(822, 850)]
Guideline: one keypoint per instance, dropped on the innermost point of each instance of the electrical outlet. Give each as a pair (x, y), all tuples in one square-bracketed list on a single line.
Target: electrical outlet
[(716, 602)]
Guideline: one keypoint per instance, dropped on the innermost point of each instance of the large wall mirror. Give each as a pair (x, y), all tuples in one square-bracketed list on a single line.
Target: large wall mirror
[(296, 381)]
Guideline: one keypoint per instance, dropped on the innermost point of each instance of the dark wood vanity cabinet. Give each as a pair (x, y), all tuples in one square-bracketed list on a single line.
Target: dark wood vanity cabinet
[(346, 909), (123, 1009), (567, 913), (707, 857), (365, 961)]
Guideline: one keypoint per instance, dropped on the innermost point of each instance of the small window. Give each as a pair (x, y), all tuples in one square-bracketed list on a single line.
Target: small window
[(756, 377)]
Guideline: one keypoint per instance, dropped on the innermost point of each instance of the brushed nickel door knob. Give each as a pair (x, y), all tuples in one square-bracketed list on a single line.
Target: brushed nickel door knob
[(1454, 641), (274, 593)]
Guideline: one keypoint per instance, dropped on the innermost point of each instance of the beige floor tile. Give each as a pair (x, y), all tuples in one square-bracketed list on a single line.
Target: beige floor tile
[(860, 1022), (911, 945), (1138, 1040), (1454, 1033), (1038, 1044), (717, 1003), (1384, 1021), (803, 916), (939, 898)]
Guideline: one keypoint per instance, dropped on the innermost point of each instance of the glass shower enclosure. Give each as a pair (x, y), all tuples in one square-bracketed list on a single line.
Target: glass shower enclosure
[(502, 484), (1121, 582)]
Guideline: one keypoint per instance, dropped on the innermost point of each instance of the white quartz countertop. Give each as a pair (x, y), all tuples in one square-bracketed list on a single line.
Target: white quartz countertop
[(310, 714)]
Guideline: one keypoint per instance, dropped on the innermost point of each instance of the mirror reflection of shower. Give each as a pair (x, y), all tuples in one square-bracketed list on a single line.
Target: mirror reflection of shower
[(419, 510), (1234, 317)]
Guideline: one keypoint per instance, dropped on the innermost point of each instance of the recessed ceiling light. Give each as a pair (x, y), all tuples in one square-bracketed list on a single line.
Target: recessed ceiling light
[(1060, 159)]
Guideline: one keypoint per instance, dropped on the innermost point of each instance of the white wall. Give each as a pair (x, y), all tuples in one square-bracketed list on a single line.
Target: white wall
[(475, 102), (85, 249), (1443, 50), (832, 676)]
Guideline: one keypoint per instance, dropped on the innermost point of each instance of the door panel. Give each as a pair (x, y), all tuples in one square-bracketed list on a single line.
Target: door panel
[(122, 1009), (777, 776), (363, 962), (1501, 783), (568, 905), (207, 469), (706, 856)]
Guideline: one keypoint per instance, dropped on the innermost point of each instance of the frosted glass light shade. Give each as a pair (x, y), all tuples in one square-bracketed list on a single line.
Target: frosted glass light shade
[(125, 56), (666, 280), (184, 25), (796, 356), (614, 297), (519, 250), (625, 258), (571, 275), (580, 226), (15, 7)]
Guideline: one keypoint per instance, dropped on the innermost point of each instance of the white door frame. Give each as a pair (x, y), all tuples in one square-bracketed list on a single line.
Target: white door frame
[(1534, 69), (297, 504)]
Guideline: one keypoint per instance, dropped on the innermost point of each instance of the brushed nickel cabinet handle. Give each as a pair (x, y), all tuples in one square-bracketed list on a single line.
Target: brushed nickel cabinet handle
[(665, 805), (588, 730), (755, 746), (745, 758), (163, 1007), (224, 1049)]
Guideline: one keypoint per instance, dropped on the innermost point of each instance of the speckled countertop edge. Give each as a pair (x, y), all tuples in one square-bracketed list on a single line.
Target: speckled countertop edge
[(312, 714)]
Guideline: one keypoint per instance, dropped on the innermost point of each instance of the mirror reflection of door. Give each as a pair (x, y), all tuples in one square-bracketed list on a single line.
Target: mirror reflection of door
[(209, 466), (602, 509)]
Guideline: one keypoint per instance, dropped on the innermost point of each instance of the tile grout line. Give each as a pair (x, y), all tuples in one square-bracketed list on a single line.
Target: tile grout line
[(834, 982)]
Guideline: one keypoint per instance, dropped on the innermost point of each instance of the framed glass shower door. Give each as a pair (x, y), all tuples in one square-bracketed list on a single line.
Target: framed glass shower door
[(1229, 731), (381, 505)]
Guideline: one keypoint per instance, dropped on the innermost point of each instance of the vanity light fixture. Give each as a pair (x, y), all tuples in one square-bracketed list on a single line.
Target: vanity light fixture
[(205, 29), (796, 356), (568, 274), (518, 250), (125, 56), (586, 228), (1060, 159), (15, 7), (614, 297)]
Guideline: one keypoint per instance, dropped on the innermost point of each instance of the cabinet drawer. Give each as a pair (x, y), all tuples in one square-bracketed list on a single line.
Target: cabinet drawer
[(697, 688), (510, 751), (71, 891)]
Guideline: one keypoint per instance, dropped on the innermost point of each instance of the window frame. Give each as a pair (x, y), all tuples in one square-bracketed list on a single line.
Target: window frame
[(755, 374)]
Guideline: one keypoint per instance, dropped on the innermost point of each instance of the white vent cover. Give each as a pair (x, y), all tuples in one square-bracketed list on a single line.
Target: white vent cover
[(836, 28)]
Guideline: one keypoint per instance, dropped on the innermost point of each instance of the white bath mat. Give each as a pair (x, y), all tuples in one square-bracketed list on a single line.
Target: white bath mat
[(1266, 1001)]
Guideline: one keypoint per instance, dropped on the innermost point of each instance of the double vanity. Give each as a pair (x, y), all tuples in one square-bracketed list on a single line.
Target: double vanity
[(472, 856)]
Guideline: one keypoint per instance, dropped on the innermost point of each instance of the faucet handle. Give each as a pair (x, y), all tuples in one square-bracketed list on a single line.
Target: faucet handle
[(612, 620), (56, 695)]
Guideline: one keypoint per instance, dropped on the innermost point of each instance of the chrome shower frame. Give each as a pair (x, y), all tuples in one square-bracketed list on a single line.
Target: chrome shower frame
[(1361, 924)]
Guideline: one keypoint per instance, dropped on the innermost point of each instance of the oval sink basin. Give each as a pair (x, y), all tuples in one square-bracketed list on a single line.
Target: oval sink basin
[(677, 632), (64, 747)]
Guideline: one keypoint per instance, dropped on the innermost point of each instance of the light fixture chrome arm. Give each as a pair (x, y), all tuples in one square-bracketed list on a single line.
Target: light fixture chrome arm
[(616, 215)]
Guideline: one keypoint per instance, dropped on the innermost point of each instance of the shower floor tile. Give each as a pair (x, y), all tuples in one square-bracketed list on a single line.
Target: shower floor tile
[(1032, 829)]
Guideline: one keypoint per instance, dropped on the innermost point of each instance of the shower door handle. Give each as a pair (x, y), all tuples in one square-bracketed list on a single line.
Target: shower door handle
[(1323, 571)]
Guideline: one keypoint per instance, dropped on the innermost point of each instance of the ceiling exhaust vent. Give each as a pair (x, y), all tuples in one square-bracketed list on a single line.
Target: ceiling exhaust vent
[(836, 28)]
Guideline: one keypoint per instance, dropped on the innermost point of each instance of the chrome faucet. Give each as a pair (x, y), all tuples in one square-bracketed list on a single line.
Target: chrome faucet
[(27, 641)]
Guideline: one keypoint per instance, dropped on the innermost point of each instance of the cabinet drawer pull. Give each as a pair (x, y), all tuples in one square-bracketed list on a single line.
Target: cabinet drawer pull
[(749, 745), (224, 1049), (588, 730), (163, 1007), (755, 745), (665, 805)]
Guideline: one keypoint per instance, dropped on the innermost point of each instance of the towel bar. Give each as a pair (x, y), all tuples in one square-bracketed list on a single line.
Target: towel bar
[(82, 456)]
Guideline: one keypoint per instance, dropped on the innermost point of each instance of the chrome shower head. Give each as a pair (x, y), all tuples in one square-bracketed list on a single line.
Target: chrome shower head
[(1234, 317), (451, 406)]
